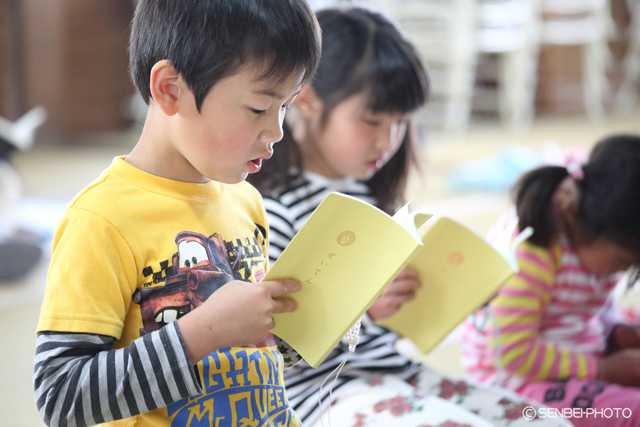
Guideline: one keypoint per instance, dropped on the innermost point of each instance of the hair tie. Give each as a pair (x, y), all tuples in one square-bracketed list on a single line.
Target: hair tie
[(575, 171)]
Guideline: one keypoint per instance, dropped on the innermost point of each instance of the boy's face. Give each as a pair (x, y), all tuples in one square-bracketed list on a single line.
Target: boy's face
[(239, 122)]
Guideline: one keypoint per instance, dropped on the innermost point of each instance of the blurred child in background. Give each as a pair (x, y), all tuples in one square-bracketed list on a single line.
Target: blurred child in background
[(352, 133), (545, 335)]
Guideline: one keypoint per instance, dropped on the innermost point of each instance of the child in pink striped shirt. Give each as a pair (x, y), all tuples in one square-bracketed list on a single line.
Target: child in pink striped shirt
[(545, 334)]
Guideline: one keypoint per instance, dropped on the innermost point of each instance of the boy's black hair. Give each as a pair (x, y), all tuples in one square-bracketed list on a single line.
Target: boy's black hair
[(609, 205), (208, 40), (362, 52)]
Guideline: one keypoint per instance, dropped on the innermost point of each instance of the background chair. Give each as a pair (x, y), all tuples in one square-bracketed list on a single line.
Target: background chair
[(508, 29), (588, 24), (444, 33), (627, 96)]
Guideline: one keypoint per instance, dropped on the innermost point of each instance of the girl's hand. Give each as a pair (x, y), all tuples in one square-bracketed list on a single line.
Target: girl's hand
[(400, 291), (237, 314), (621, 368), (624, 336)]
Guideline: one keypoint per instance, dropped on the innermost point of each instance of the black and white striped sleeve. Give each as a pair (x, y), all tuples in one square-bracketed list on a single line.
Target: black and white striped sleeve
[(281, 227), (81, 380)]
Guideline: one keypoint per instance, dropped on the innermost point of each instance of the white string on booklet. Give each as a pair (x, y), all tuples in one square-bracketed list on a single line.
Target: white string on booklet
[(352, 337)]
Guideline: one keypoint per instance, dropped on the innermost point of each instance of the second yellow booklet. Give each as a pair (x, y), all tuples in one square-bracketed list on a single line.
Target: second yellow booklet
[(345, 256), (460, 271)]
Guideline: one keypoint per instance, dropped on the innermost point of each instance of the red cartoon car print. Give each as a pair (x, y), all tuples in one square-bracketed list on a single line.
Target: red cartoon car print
[(202, 265)]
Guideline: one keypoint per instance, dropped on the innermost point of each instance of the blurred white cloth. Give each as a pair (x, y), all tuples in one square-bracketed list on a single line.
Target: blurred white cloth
[(10, 194)]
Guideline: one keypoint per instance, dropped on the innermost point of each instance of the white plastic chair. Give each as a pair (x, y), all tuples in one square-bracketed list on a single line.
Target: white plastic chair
[(585, 23), (509, 29), (450, 35), (627, 96), (444, 33)]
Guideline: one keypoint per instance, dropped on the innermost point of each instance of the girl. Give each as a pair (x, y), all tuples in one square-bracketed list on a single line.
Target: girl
[(545, 335), (351, 132)]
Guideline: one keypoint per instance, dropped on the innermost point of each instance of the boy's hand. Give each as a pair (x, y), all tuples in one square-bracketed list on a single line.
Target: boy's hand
[(621, 368), (400, 291), (237, 314)]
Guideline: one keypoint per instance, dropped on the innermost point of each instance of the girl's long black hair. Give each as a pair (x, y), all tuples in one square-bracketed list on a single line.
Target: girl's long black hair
[(609, 192), (362, 52)]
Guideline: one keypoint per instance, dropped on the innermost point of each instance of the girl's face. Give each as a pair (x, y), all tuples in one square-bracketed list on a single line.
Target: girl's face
[(600, 256), (604, 257), (353, 142)]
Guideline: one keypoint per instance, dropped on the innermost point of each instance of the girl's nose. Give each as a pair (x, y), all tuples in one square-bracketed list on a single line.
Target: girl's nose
[(384, 138), (391, 136)]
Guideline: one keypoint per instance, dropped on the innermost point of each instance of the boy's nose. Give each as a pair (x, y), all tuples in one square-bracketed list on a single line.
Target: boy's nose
[(273, 133)]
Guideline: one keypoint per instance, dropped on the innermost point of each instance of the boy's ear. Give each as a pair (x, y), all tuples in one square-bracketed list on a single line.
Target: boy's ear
[(308, 103), (165, 85)]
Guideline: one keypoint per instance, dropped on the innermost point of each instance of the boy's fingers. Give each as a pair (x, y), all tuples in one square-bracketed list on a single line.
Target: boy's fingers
[(284, 286), (284, 305)]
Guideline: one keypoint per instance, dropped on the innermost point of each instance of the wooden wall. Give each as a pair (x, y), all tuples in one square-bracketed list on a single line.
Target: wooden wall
[(74, 62), (9, 59), (3, 58)]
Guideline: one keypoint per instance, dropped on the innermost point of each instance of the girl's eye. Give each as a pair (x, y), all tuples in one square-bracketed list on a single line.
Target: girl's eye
[(286, 107), (370, 122), (258, 112)]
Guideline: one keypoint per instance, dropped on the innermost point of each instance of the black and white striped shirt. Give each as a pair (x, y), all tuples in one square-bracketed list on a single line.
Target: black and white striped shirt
[(287, 211), (80, 379)]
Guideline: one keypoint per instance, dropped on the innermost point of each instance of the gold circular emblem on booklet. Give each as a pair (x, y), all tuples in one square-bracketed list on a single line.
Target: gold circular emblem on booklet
[(346, 238), (456, 258)]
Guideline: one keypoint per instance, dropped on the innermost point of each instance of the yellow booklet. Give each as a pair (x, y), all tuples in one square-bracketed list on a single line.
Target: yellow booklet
[(345, 255), (460, 271)]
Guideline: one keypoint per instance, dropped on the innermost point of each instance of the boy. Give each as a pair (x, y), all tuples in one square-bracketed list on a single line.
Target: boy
[(135, 293)]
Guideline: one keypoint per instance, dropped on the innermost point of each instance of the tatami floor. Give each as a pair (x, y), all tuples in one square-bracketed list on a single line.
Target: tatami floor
[(52, 175)]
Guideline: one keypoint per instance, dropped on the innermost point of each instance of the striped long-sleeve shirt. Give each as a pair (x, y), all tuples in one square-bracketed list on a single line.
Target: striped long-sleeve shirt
[(287, 211), (544, 322), (80, 379)]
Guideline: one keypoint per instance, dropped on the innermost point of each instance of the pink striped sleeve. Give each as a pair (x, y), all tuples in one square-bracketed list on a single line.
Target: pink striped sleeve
[(518, 309)]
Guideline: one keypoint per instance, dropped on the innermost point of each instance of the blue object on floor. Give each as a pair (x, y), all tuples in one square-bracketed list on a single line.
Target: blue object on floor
[(497, 173)]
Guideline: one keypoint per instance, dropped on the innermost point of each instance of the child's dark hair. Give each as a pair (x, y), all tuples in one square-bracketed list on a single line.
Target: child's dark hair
[(609, 193), (362, 52), (208, 40)]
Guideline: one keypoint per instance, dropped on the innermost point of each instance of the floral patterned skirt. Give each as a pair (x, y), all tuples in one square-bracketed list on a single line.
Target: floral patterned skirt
[(428, 400)]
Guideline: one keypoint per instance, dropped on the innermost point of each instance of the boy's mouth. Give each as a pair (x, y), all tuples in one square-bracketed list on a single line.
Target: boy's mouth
[(255, 165)]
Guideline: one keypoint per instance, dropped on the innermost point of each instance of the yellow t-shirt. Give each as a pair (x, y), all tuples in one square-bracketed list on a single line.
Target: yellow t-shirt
[(134, 252)]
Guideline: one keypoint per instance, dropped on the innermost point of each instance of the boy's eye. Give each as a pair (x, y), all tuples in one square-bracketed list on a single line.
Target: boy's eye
[(371, 122), (286, 107), (258, 112)]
